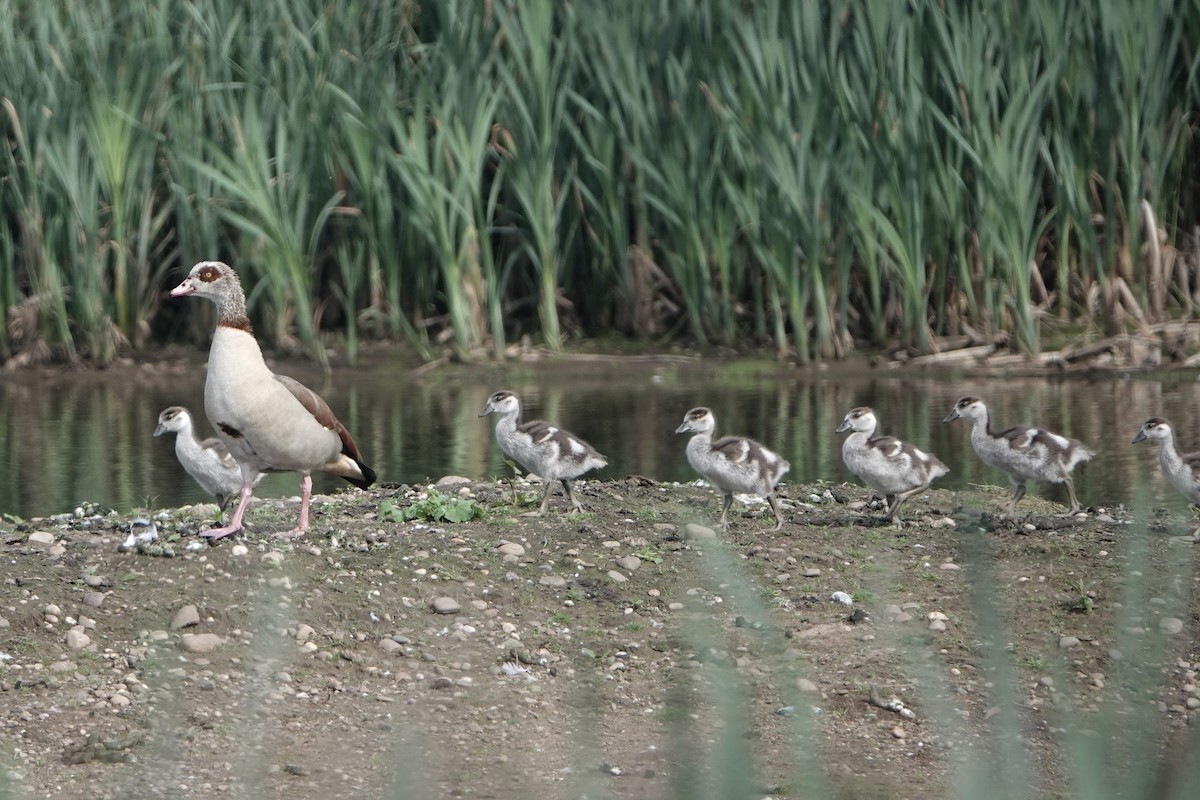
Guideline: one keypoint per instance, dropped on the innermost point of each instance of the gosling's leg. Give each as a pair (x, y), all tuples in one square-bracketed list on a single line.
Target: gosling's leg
[(575, 504), (1076, 506), (775, 507), (728, 501), (1017, 495), (545, 499), (894, 509)]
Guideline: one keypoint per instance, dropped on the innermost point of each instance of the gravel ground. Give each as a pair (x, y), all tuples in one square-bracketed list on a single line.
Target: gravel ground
[(631, 651)]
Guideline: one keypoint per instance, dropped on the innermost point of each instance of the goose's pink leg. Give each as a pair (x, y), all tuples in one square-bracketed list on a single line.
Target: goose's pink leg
[(235, 524), (305, 495)]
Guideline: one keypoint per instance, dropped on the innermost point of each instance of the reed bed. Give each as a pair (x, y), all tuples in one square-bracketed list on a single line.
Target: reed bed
[(804, 177)]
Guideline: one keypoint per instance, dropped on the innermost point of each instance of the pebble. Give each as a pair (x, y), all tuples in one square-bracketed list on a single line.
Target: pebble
[(950, 565), (511, 549), (304, 632), (94, 599), (185, 618), (390, 646), (944, 522), (451, 482), (239, 550), (617, 577), (41, 537), (805, 685), (77, 640), (1193, 703), (694, 530), (938, 626), (1066, 642), (812, 572), (555, 581), (273, 558), (628, 562), (445, 605), (1170, 626), (937, 616), (200, 642), (898, 733), (94, 581)]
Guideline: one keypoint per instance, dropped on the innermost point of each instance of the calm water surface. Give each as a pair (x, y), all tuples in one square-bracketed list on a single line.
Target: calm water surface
[(86, 436)]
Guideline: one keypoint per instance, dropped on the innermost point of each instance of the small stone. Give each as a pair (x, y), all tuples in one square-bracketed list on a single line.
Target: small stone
[(950, 565), (805, 685), (937, 626), (200, 642), (1067, 642), (273, 558), (937, 616), (1170, 626), (239, 550), (94, 581), (694, 530), (812, 572), (120, 700), (77, 640), (1046, 680), (451, 482), (892, 610), (390, 646), (511, 549), (445, 605), (41, 537), (1193, 703), (617, 577), (52, 610), (665, 527), (898, 733), (94, 599), (628, 562), (555, 581), (304, 633), (944, 522), (185, 618)]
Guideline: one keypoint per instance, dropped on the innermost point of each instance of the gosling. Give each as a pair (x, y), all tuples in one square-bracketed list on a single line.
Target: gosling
[(732, 463), (1023, 453), (894, 468)]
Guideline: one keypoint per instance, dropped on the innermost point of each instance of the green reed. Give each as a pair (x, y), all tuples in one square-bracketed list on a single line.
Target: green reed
[(794, 175)]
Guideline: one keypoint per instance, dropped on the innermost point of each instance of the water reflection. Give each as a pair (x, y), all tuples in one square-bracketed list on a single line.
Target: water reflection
[(79, 436)]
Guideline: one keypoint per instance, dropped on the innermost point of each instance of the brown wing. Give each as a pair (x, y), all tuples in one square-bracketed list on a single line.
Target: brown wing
[(323, 414)]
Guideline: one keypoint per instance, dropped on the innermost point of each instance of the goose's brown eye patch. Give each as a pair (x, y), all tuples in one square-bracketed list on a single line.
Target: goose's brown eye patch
[(208, 274)]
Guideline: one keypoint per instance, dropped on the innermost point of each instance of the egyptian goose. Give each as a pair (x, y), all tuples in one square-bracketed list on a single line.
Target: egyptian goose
[(1181, 469), (1024, 453), (547, 450), (732, 463), (269, 422), (895, 468), (206, 460)]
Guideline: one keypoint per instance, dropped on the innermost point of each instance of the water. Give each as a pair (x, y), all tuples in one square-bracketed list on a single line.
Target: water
[(81, 435)]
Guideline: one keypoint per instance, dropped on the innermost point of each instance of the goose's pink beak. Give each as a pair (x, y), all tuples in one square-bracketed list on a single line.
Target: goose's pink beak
[(187, 287)]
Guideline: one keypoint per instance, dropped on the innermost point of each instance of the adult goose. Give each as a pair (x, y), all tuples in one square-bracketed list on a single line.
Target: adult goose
[(269, 422), (206, 460), (547, 450), (1023, 453), (1181, 469), (894, 468), (732, 463)]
